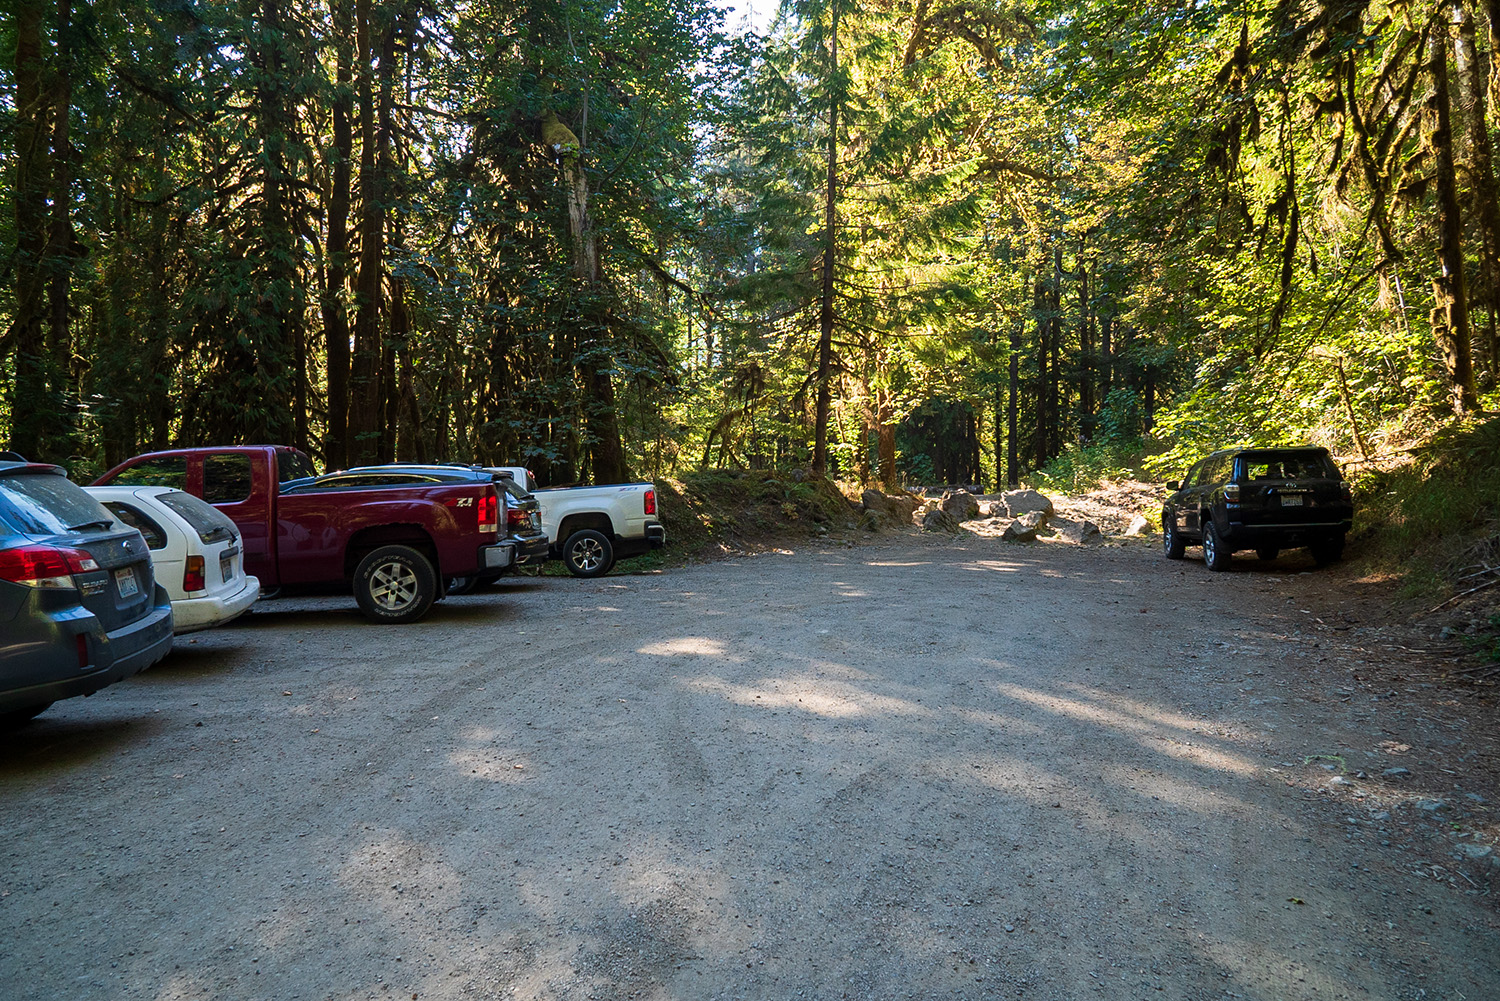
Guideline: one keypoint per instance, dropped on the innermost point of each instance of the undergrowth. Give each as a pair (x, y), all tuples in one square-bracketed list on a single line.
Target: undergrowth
[(1438, 516), (716, 506), (1084, 467)]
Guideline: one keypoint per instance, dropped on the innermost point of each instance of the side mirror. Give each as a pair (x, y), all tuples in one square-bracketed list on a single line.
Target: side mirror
[(1174, 485)]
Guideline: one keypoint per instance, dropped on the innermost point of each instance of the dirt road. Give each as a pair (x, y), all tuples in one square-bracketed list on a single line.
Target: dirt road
[(920, 769)]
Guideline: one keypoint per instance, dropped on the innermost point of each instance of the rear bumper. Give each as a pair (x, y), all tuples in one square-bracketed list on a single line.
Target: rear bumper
[(498, 556), (191, 614), (533, 550), (1284, 535), (654, 538), (112, 656)]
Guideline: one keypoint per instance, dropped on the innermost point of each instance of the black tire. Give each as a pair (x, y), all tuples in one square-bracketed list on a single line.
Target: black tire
[(588, 553), (462, 585), (20, 717), (1171, 540), (1327, 551), (1215, 555), (395, 584), (1267, 552)]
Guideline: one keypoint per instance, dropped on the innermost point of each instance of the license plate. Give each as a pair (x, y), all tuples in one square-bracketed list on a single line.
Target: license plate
[(125, 581), (1291, 500), (226, 568)]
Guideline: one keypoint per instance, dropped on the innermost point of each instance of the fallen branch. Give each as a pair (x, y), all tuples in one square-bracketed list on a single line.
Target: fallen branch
[(1464, 594)]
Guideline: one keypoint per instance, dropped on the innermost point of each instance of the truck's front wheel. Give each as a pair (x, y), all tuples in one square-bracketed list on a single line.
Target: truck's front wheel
[(588, 553), (395, 584)]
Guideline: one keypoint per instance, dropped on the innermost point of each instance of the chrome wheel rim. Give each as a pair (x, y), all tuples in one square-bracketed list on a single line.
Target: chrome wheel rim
[(1209, 545), (393, 586), (587, 554), (1169, 538)]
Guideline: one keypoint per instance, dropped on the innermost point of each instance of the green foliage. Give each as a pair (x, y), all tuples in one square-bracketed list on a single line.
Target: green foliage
[(1084, 467)]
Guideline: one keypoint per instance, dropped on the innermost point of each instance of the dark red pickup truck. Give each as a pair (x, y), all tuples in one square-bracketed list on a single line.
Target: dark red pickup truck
[(394, 544)]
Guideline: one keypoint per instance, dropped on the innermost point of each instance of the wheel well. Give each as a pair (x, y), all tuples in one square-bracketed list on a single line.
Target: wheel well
[(599, 522), (367, 540)]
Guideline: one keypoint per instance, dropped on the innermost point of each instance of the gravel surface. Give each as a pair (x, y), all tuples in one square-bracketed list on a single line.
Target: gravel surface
[(926, 768)]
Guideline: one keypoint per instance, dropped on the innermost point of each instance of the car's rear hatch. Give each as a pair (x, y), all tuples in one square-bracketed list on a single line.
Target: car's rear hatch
[(119, 588), (1290, 487)]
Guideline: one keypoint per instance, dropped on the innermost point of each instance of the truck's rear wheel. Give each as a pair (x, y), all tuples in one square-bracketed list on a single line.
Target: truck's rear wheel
[(395, 584), (588, 553)]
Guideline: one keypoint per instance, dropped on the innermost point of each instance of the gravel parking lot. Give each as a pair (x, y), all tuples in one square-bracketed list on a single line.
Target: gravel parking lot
[(924, 768)]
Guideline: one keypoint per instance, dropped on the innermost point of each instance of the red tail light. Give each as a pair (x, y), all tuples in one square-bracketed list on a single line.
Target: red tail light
[(650, 501), (44, 566), (516, 518), (192, 576), (489, 512), (1231, 491)]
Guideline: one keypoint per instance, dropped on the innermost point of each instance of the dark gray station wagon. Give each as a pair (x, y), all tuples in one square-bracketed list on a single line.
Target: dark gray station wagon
[(1265, 499), (79, 605)]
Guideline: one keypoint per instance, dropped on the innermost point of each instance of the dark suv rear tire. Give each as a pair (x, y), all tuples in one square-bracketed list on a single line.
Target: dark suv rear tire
[(1215, 554), (1327, 551)]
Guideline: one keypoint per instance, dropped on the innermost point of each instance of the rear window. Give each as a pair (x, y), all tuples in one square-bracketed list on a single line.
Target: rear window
[(167, 471), (47, 504), (510, 487), (210, 524), (226, 479), (366, 481), (133, 517), (1288, 466)]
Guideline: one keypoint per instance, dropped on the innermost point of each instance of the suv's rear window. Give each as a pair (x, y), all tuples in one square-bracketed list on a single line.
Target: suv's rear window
[(1288, 466), (47, 504), (207, 521), (139, 520)]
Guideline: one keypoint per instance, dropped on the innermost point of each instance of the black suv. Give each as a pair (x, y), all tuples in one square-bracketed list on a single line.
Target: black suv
[(1265, 499)]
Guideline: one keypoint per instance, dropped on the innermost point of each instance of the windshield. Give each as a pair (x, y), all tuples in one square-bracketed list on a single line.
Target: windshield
[(48, 504), (210, 524)]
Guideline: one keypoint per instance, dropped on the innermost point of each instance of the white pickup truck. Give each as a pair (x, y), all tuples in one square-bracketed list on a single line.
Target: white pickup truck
[(592, 527)]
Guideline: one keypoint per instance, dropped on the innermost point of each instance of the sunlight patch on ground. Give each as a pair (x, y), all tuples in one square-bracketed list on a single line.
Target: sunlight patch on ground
[(815, 695), (899, 563), (996, 566), (1145, 724), (702, 646)]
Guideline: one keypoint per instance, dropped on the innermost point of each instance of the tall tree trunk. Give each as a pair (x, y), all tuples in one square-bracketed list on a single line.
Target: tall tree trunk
[(601, 411), (1476, 170), (365, 394), (279, 315), (60, 254), (1450, 312), (830, 249), (885, 437), (1013, 405), (27, 333), (1043, 331), (336, 265), (1106, 357), (1053, 423), (1086, 402)]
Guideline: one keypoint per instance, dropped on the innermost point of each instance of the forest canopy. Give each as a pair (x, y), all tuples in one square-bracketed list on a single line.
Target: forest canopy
[(891, 241)]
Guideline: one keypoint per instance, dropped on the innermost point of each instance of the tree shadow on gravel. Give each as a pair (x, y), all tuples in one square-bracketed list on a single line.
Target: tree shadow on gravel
[(55, 743)]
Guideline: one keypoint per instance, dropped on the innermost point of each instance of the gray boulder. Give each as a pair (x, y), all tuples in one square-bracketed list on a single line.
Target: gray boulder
[(938, 520), (961, 504), (1024, 528), (1138, 526), (1019, 502), (1078, 532)]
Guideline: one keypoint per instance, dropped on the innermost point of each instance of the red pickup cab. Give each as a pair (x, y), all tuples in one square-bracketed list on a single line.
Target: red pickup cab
[(392, 543)]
